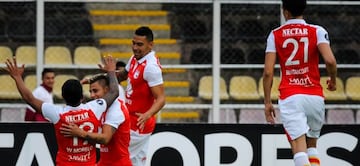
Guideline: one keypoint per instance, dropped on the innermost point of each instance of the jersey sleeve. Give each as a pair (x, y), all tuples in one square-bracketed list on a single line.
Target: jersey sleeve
[(127, 67), (153, 75), (98, 106), (270, 43), (114, 116), (322, 35), (51, 112)]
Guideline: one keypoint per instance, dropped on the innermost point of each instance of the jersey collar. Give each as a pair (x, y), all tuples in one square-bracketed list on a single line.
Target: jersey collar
[(147, 56), (295, 21)]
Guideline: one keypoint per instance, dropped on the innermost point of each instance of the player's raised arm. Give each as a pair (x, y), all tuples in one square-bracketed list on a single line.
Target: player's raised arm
[(110, 66), (16, 73)]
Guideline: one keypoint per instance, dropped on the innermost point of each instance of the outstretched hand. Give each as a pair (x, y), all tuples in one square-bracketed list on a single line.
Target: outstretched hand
[(109, 64), (12, 69)]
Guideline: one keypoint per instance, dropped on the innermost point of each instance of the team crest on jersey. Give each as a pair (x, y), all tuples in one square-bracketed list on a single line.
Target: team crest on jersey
[(136, 74), (100, 102), (327, 37)]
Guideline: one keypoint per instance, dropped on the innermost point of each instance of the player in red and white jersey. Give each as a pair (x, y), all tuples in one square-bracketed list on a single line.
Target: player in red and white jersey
[(297, 46), (72, 151), (145, 94), (115, 135)]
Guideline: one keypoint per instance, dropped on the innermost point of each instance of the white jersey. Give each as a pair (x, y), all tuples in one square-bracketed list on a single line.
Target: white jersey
[(53, 112), (42, 94), (114, 115)]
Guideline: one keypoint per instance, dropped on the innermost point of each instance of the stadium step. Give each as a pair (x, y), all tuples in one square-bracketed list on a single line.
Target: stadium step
[(178, 116), (123, 6), (164, 57), (129, 16), (127, 30), (180, 99), (124, 45)]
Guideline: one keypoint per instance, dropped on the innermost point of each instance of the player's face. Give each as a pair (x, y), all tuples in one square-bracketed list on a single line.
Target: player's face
[(140, 46), (48, 79), (97, 91)]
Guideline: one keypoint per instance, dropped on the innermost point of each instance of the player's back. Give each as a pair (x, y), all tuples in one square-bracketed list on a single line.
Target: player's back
[(296, 47), (72, 150)]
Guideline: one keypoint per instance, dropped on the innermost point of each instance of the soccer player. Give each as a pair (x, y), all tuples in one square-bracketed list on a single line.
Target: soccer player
[(298, 45), (145, 94), (44, 93), (115, 136), (71, 150)]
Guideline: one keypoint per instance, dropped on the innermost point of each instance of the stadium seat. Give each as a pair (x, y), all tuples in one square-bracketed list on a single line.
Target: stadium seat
[(347, 56), (87, 55), (5, 53), (8, 88), (338, 95), (201, 56), (256, 56), (252, 116), (352, 88), (243, 88), (206, 85), (54, 30), (59, 81), (86, 87), (30, 81), (59, 55), (195, 31), (3, 31), (22, 30), (80, 30), (26, 55), (340, 117), (228, 32), (232, 56), (274, 89), (251, 31)]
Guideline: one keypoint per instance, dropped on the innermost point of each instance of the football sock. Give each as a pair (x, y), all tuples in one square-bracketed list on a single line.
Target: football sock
[(301, 159), (313, 156)]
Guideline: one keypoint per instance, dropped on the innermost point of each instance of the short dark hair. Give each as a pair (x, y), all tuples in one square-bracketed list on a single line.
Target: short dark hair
[(102, 79), (120, 64), (72, 92), (145, 31), (46, 71), (295, 7)]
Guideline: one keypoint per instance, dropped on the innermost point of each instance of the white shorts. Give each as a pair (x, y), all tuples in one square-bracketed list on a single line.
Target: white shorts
[(302, 114), (138, 148)]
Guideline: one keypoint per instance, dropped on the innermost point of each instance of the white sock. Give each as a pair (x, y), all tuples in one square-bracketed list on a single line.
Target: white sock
[(313, 156), (301, 159)]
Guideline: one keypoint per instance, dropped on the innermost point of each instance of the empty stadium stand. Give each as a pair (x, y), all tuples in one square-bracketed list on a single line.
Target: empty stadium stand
[(5, 53), (243, 88), (58, 55), (26, 55), (87, 55), (352, 88), (206, 86)]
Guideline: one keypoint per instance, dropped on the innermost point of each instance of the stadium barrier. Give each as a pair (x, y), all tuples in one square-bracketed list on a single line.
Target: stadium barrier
[(25, 144)]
